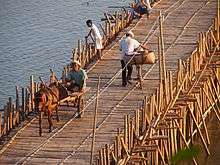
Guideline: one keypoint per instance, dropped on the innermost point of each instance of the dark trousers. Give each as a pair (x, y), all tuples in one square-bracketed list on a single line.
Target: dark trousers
[(143, 10), (125, 76)]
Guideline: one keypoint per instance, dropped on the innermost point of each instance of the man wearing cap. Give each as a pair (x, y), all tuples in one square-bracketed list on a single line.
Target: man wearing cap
[(96, 36), (128, 46), (76, 79)]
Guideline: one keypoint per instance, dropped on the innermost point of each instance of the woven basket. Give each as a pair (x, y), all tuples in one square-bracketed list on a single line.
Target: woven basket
[(143, 57)]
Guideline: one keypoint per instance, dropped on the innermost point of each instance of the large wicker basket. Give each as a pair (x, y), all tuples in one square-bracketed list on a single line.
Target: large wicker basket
[(143, 57)]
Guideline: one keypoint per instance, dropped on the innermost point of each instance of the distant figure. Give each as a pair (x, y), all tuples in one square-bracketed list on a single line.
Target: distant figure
[(76, 79), (143, 7), (96, 36), (132, 12), (128, 46)]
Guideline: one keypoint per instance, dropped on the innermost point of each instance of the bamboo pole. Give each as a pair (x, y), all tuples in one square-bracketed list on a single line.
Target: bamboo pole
[(200, 133), (107, 150), (203, 120), (5, 126), (218, 19), (94, 121), (32, 92), (79, 50), (10, 113), (184, 140), (0, 124), (163, 54)]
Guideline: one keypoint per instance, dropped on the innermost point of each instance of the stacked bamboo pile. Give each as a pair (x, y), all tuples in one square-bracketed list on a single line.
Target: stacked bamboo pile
[(175, 115), (18, 111)]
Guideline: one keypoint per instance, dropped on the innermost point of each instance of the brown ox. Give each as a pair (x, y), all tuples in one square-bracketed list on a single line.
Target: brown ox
[(47, 100)]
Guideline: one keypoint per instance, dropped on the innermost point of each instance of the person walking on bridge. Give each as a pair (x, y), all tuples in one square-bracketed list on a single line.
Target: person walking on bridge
[(128, 46), (94, 31)]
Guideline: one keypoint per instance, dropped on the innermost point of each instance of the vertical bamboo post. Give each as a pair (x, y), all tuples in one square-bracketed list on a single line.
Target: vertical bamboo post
[(10, 113), (0, 124), (32, 92), (163, 54), (171, 84), (94, 121), (107, 154), (218, 19), (104, 156), (160, 60), (14, 117), (162, 45), (137, 119), (23, 104), (5, 120), (129, 132), (144, 125), (101, 157), (79, 50), (126, 129), (27, 99), (17, 98)]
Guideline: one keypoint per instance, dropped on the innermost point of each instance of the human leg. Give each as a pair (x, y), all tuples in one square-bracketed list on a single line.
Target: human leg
[(124, 78), (99, 54), (130, 68)]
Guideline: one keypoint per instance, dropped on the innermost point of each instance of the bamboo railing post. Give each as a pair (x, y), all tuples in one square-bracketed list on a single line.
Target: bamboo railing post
[(23, 104), (163, 55), (79, 50), (104, 156), (0, 125), (94, 121), (107, 154), (137, 120), (5, 126), (14, 116), (10, 113), (32, 92), (101, 157), (126, 129), (26, 102), (200, 133), (218, 19), (17, 97)]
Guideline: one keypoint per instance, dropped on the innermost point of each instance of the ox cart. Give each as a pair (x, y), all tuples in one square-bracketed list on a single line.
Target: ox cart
[(48, 98)]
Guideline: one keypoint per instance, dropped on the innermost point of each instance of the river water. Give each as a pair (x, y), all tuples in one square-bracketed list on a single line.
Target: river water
[(38, 33)]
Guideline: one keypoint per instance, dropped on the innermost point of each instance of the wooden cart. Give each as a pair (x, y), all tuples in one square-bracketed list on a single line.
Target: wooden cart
[(77, 100)]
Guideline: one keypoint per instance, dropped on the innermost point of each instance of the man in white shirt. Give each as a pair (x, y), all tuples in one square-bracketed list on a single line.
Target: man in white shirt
[(128, 46), (94, 31)]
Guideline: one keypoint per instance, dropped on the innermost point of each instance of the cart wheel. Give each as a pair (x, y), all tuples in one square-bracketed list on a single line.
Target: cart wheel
[(80, 106)]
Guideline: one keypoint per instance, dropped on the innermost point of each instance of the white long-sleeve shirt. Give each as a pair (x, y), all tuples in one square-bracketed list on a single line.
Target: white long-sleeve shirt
[(127, 46)]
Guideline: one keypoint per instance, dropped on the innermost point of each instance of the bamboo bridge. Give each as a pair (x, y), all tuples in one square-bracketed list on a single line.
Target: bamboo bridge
[(136, 125)]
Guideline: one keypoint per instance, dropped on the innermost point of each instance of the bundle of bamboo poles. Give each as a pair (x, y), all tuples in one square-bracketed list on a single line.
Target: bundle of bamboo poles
[(173, 117), (18, 111)]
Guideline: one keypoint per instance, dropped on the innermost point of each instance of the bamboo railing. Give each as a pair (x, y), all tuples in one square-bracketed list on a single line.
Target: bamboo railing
[(20, 110), (173, 117)]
